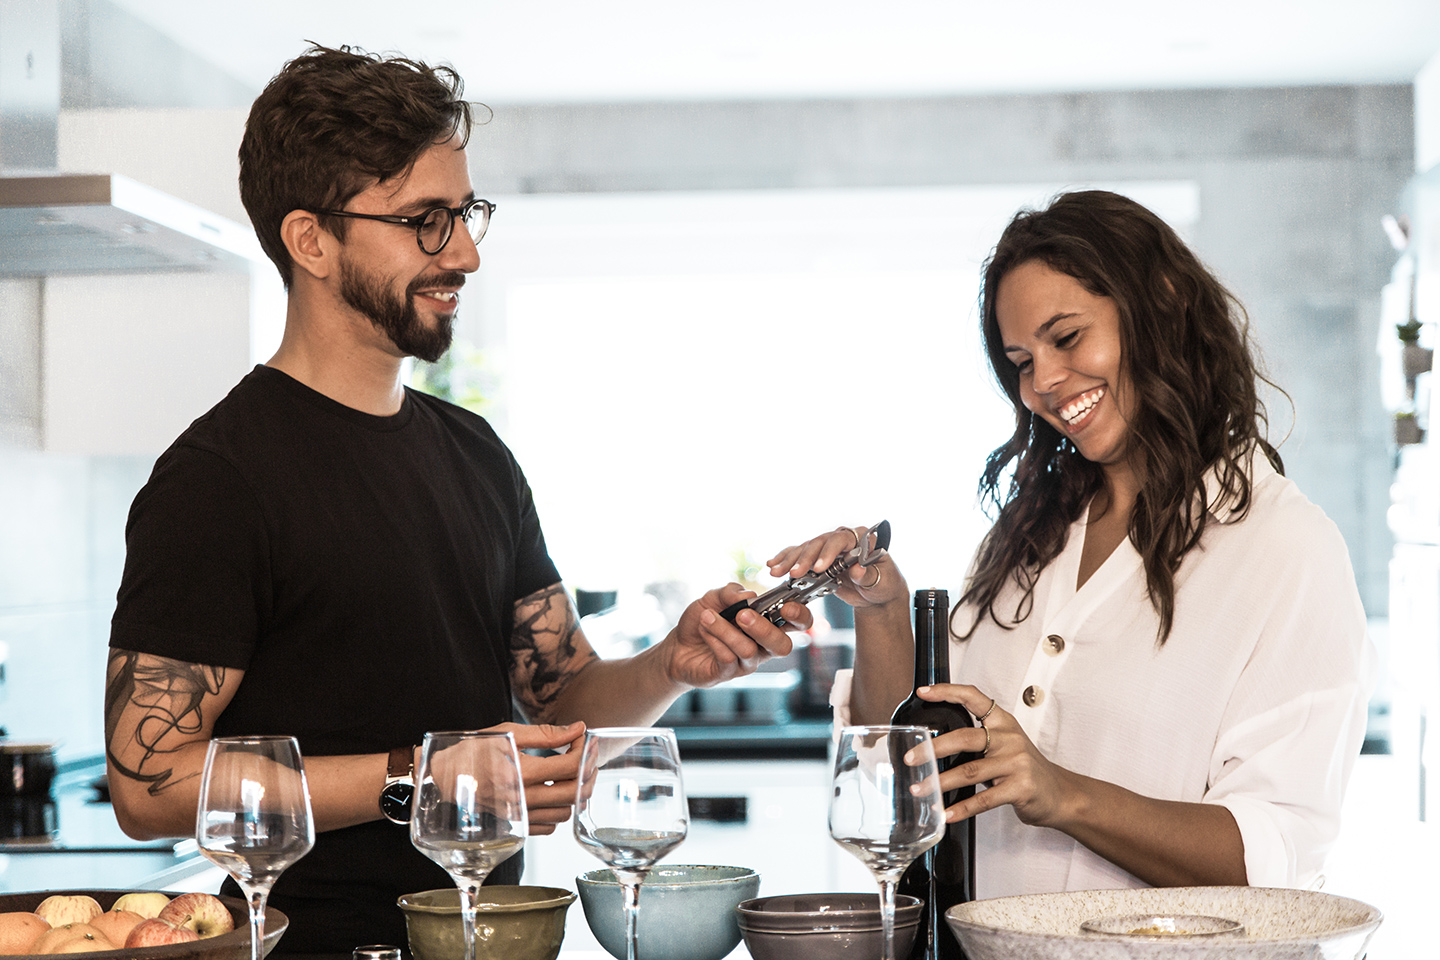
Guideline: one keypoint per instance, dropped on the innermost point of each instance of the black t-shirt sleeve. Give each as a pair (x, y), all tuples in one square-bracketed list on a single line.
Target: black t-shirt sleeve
[(534, 570), (195, 566)]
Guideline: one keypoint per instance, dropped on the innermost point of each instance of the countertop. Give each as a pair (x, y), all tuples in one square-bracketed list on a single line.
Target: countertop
[(90, 850)]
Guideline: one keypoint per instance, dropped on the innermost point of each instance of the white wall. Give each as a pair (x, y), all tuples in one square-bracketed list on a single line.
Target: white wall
[(1427, 115)]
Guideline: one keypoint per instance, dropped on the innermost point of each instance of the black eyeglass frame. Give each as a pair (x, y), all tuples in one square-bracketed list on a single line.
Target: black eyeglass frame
[(462, 213)]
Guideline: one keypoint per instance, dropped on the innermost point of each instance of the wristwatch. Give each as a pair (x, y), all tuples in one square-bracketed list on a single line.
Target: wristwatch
[(399, 785)]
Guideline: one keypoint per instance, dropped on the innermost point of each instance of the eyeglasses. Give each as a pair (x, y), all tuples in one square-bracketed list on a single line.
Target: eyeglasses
[(433, 227)]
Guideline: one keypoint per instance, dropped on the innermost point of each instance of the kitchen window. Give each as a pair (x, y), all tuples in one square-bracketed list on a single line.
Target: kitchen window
[(688, 379)]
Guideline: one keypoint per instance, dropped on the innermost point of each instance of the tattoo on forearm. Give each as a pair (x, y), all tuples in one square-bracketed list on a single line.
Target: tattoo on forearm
[(163, 696), (545, 654)]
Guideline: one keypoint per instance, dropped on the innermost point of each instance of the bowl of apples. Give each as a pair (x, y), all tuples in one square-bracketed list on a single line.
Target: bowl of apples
[(131, 924)]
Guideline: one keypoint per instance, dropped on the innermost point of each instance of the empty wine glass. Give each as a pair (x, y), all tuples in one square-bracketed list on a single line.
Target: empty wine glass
[(253, 819), (883, 810), (630, 808), (469, 812)]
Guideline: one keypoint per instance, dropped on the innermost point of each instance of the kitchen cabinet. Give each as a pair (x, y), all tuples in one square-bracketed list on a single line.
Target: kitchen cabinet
[(118, 364)]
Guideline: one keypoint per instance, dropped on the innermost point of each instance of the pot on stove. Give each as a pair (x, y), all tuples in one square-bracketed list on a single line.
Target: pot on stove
[(27, 802)]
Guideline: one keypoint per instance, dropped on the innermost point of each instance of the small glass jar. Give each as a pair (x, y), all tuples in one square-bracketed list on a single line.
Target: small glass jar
[(377, 951)]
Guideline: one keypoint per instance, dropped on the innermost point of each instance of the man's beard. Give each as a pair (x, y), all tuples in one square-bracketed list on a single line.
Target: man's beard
[(397, 317)]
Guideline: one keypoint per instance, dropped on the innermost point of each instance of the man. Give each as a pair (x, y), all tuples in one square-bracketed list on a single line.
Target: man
[(329, 555)]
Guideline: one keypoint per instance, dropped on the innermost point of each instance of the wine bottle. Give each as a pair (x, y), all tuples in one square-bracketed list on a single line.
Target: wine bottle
[(945, 874)]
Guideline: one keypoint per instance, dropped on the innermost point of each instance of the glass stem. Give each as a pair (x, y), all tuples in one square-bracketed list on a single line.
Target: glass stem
[(469, 891), (632, 916), (257, 923), (887, 917)]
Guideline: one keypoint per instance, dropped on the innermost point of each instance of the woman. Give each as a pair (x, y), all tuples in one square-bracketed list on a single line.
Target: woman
[(1162, 636)]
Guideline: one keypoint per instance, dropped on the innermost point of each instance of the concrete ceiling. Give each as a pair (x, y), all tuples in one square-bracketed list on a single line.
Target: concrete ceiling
[(579, 51)]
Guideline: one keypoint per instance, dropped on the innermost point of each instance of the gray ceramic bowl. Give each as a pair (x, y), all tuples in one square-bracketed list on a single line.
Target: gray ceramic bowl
[(511, 923), (824, 926), (687, 911), (1278, 925)]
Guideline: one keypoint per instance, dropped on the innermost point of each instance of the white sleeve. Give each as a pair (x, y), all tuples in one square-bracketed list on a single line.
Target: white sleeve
[(1285, 781), (1296, 718)]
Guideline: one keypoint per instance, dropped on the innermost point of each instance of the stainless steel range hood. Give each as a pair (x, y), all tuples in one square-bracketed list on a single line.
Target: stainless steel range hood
[(54, 222)]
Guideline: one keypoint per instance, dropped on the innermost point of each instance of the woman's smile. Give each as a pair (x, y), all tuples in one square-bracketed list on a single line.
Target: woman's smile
[(1065, 344)]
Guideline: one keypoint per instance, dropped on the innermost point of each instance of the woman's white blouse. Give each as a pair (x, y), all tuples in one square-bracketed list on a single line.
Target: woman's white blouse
[(1257, 701)]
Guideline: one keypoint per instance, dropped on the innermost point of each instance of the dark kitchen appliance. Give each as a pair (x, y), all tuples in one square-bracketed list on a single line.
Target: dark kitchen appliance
[(27, 802)]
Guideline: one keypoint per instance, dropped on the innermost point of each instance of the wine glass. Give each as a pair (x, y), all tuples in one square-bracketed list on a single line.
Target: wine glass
[(253, 819), (883, 810), (469, 812), (630, 808)]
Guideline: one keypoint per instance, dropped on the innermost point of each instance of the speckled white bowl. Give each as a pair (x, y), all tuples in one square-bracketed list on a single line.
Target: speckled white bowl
[(1279, 925)]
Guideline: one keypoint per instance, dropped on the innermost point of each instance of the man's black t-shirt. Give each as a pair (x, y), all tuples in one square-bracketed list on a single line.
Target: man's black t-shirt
[(362, 571)]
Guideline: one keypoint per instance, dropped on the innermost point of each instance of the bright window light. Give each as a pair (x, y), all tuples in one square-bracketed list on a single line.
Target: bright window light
[(690, 379)]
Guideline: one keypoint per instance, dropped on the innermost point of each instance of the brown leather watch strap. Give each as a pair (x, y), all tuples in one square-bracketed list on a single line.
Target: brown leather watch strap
[(402, 762)]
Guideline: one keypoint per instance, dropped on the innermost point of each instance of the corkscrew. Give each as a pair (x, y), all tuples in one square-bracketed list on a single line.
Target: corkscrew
[(813, 585)]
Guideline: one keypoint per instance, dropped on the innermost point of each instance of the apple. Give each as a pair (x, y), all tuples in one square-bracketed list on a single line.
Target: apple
[(116, 924), (71, 938), (147, 903), (19, 930), (62, 909), (155, 932), (204, 913)]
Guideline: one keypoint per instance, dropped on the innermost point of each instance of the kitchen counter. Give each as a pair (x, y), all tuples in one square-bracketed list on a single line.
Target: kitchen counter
[(90, 851)]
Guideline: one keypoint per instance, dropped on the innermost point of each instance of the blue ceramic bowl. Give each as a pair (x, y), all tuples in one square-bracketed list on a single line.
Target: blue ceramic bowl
[(687, 912)]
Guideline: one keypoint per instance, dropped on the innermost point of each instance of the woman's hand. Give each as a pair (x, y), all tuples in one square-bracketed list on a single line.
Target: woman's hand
[(1165, 843), (876, 584), (1015, 771)]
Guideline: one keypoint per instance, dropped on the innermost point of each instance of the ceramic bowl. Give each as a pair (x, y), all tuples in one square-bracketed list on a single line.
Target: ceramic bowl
[(511, 923), (823, 926), (1278, 925), (1163, 925), (687, 911), (234, 945)]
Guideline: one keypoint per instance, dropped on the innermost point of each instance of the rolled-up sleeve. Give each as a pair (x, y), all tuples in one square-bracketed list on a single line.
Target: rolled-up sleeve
[(1282, 775)]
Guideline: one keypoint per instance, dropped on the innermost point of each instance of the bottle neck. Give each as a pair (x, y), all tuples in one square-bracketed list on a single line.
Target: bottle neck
[(932, 637)]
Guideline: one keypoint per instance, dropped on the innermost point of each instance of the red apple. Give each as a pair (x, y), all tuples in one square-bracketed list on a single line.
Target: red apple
[(116, 924), (18, 930), (204, 913), (155, 932)]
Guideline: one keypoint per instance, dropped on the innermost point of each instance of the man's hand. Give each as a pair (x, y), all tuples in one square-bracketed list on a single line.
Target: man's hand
[(550, 782), (706, 649)]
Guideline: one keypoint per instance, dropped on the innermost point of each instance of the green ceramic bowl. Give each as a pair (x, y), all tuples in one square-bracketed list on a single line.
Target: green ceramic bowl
[(511, 923), (687, 912)]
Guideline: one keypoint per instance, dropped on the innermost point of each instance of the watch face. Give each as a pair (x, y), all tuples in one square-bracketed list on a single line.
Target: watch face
[(395, 801)]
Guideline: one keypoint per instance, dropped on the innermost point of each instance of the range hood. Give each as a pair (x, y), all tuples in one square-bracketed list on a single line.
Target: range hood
[(54, 222)]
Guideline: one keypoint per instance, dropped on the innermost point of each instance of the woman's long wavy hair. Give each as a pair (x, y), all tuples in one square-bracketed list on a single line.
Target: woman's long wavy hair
[(1186, 354)]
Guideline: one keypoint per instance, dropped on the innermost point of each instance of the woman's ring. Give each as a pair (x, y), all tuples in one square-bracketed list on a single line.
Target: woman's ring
[(851, 531), (874, 582), (987, 713), (986, 751)]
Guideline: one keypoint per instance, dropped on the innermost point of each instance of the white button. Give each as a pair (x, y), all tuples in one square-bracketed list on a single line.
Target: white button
[(1033, 696)]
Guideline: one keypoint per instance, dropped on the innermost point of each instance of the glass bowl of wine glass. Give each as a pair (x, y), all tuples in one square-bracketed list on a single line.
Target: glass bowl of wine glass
[(689, 910)]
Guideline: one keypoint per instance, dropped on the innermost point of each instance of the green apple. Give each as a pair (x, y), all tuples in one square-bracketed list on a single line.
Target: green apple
[(147, 903)]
